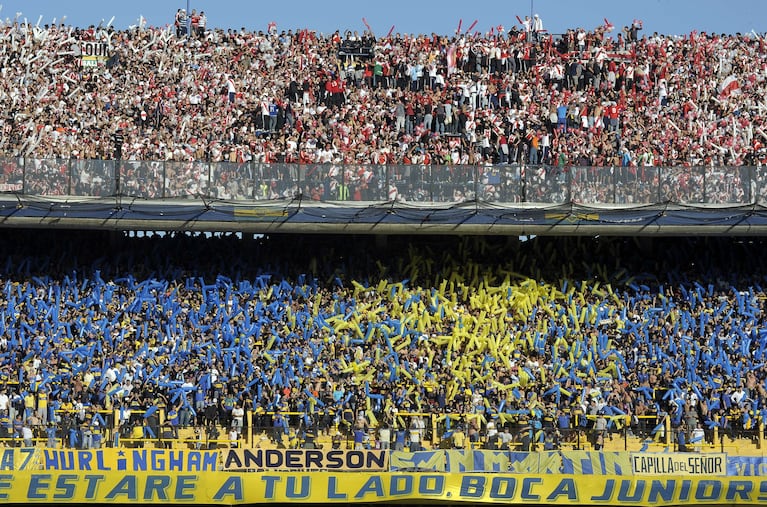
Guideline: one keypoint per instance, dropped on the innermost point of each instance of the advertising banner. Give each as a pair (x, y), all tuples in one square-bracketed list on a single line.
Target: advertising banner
[(679, 463), (223, 488), (305, 459)]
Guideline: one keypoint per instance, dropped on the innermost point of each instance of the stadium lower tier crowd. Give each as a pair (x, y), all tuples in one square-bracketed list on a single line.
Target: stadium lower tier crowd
[(338, 332), (583, 98)]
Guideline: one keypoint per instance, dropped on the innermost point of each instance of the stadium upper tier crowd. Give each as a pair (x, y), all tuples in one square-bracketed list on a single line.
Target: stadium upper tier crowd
[(585, 98), (346, 334)]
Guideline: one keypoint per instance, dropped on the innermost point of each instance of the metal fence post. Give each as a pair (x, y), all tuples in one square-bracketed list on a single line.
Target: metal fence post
[(69, 176), (523, 182), (660, 185), (210, 178)]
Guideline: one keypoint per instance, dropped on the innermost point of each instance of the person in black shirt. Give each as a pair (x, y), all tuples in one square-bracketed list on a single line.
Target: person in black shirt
[(118, 139)]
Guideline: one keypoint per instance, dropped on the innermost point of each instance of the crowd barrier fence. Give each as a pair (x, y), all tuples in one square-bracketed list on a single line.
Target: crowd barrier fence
[(438, 433), (502, 184)]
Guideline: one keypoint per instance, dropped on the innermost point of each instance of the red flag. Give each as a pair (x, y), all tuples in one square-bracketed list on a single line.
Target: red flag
[(520, 20), (458, 30), (472, 26), (391, 30), (608, 26), (729, 86)]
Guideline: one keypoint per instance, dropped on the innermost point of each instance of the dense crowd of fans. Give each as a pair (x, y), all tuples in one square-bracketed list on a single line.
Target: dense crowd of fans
[(579, 98), (551, 333), (541, 334)]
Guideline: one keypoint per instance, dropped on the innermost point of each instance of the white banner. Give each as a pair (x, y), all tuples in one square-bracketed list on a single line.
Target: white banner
[(679, 463), (94, 54)]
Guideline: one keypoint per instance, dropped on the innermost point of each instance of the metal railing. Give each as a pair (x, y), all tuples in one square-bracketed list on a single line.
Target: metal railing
[(257, 430), (503, 184)]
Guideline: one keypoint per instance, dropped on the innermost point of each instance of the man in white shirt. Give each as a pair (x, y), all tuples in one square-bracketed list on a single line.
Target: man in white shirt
[(238, 414), (27, 436), (417, 427), (697, 437), (4, 400), (537, 26), (738, 396), (384, 436)]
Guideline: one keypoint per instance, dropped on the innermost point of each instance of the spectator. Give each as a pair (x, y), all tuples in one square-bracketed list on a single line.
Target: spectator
[(280, 349), (384, 437), (238, 415), (280, 428), (27, 435), (416, 434)]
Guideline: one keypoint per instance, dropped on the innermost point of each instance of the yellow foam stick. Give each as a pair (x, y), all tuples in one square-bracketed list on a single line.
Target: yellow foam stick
[(529, 340), (458, 374), (372, 418), (360, 367), (574, 313), (402, 345), (358, 287), (506, 418)]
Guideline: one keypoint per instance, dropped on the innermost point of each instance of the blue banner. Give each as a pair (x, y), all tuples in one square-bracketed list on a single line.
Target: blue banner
[(747, 466), (431, 461)]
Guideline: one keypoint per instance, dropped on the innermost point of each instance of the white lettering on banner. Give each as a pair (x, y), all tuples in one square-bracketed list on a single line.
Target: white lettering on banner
[(679, 464)]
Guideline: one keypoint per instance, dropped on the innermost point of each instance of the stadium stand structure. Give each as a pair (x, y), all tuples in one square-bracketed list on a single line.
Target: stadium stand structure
[(431, 133), (283, 340)]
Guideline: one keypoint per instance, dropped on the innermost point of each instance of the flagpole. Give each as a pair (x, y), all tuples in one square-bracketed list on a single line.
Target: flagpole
[(189, 19)]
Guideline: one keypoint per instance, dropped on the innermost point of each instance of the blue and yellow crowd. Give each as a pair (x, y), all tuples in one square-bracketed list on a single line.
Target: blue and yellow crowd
[(326, 334)]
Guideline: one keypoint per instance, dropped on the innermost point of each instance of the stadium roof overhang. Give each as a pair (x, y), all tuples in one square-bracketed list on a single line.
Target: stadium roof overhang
[(301, 216)]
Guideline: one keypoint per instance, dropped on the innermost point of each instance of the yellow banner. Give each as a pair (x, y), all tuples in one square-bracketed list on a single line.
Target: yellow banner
[(223, 488), (305, 459), (679, 463), (20, 459)]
